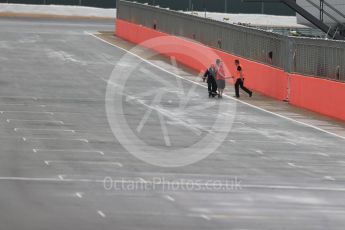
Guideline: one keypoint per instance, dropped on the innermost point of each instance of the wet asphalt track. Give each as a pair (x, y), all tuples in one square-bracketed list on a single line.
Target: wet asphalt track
[(57, 146)]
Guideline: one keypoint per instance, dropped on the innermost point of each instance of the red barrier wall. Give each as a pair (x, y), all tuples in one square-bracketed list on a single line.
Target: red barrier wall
[(319, 95), (264, 79)]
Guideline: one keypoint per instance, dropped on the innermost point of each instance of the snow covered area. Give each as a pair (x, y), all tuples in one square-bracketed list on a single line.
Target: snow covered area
[(79, 11), (253, 19)]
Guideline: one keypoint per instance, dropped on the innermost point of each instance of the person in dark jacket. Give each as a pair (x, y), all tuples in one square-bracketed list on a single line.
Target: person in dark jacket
[(210, 75)]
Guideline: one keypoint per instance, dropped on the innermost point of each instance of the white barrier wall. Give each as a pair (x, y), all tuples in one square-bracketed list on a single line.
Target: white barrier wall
[(338, 4)]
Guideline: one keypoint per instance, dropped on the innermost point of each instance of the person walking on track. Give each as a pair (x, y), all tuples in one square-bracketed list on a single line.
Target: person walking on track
[(220, 78), (239, 80), (210, 75)]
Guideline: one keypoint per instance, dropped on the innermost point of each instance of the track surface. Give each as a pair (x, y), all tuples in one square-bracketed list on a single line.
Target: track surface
[(57, 147)]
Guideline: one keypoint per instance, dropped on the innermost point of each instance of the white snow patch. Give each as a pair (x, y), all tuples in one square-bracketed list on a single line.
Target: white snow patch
[(58, 10), (252, 19)]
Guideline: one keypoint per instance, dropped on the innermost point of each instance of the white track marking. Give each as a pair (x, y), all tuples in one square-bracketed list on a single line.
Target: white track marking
[(56, 139), (259, 152), (50, 130), (292, 143), (230, 97), (170, 198), (32, 112), (85, 162), (38, 121), (43, 106), (68, 150), (292, 165), (101, 214), (329, 178), (248, 186), (205, 217), (19, 97), (321, 154), (79, 195)]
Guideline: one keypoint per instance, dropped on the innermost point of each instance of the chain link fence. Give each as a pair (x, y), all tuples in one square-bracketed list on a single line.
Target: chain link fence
[(321, 58), (317, 57)]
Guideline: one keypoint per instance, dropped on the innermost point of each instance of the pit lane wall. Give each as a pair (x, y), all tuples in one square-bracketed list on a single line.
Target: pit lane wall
[(264, 79), (319, 95)]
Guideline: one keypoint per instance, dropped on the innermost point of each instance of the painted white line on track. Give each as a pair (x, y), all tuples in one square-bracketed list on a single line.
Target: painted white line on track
[(19, 97), (38, 121), (42, 106), (79, 195), (85, 162), (259, 152), (49, 130), (230, 97), (30, 112), (68, 150), (101, 214), (329, 178), (261, 141), (13, 104), (170, 198), (321, 154), (205, 217), (56, 139), (292, 165), (243, 186), (292, 143)]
